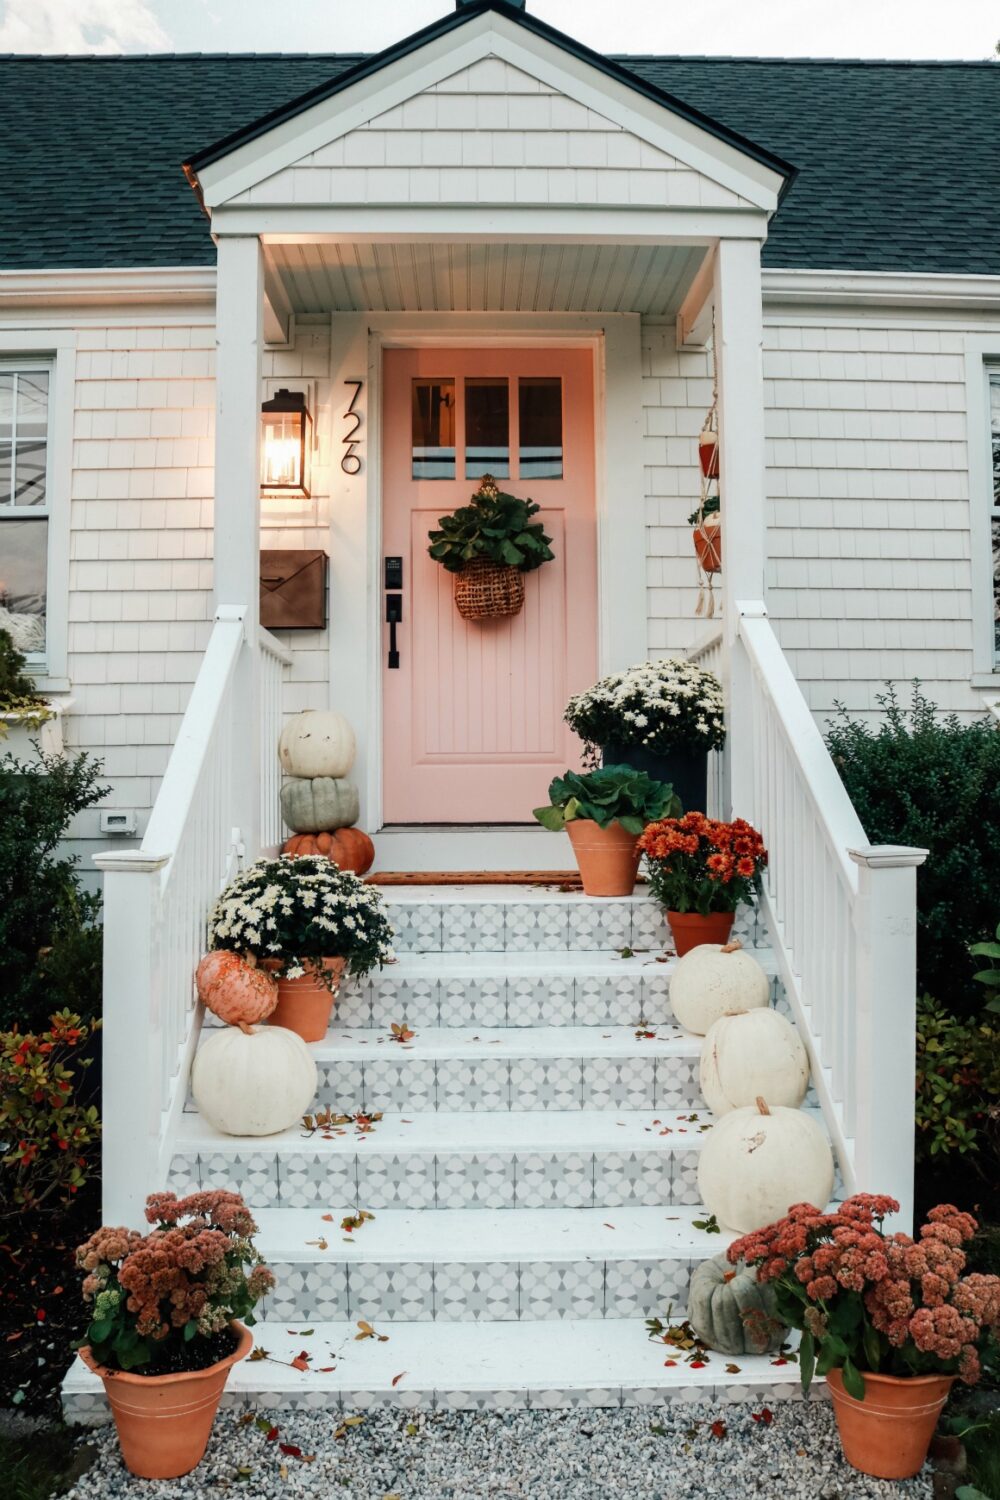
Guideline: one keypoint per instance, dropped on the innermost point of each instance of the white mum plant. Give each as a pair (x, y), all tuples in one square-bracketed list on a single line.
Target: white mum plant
[(295, 911), (657, 704)]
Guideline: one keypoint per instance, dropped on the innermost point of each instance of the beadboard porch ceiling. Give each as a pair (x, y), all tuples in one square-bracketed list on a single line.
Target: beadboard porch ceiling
[(336, 276)]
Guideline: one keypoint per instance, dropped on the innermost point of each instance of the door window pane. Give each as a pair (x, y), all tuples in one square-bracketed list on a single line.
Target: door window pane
[(539, 401), (487, 429), (23, 557), (433, 433)]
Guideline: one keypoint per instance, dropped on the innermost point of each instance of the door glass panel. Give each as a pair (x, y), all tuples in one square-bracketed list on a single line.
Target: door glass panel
[(539, 401), (487, 429), (23, 554), (433, 430)]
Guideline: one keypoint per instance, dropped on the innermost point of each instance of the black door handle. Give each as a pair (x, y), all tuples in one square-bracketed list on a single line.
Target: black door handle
[(393, 616)]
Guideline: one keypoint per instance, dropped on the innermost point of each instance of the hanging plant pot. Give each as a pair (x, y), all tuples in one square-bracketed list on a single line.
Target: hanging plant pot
[(485, 590), (707, 537), (708, 452)]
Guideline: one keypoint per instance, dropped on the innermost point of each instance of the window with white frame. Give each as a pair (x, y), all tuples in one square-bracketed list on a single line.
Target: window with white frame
[(24, 502), (995, 512)]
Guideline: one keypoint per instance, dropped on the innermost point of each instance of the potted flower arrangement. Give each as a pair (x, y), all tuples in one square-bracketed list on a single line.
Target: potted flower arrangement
[(489, 545), (22, 712), (706, 533), (306, 921), (662, 717), (890, 1321), (168, 1321), (604, 812), (700, 870)]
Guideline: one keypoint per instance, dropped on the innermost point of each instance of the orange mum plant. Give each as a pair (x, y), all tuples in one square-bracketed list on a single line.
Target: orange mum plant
[(697, 864)]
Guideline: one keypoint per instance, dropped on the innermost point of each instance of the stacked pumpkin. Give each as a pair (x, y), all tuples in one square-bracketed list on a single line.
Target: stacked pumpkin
[(763, 1153), (318, 802), (248, 1079)]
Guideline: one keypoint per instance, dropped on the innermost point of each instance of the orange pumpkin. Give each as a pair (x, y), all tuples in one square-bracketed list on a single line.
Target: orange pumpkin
[(347, 847), (234, 989)]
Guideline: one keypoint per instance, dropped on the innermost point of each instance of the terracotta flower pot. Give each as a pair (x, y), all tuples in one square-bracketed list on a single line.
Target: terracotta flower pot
[(708, 452), (708, 544), (164, 1421), (888, 1433), (608, 857), (689, 929), (304, 1004)]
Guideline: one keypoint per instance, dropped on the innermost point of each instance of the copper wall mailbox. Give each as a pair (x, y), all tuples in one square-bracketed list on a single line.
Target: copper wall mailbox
[(293, 590)]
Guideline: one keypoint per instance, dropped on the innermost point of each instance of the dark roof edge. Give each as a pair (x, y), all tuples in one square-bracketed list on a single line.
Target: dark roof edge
[(621, 57), (374, 64)]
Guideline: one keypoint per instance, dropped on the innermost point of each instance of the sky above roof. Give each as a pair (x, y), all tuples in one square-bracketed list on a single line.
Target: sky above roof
[(760, 28)]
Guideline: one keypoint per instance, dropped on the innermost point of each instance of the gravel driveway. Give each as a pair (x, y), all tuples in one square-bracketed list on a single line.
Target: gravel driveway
[(651, 1453)]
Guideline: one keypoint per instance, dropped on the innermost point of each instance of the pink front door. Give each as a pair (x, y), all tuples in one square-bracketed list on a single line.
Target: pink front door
[(473, 729)]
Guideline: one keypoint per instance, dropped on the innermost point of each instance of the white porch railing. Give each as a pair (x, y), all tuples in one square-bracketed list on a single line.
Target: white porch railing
[(156, 903), (273, 660), (709, 653), (841, 914)]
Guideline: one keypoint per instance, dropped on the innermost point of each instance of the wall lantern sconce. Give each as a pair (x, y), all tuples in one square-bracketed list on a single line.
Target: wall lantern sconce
[(285, 421)]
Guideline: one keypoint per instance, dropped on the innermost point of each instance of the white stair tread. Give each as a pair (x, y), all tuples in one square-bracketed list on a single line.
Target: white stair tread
[(473, 1131), (511, 964), (439, 1044), (464, 1235), (603, 1355)]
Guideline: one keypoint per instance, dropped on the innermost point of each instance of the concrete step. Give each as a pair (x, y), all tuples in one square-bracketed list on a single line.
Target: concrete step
[(457, 1366), (483, 1159), (482, 1265), (561, 987), (528, 919)]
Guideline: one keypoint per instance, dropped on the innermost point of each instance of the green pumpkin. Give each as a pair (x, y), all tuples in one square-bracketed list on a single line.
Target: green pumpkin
[(731, 1311), (320, 804)]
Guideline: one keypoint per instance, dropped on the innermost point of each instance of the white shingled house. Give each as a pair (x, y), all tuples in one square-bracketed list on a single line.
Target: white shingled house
[(488, 248)]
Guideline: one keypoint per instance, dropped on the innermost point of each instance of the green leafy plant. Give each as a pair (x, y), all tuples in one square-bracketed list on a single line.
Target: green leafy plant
[(710, 507), (922, 778), (50, 935), (989, 977), (49, 1133), (868, 1300), (163, 1298), (17, 691), (958, 1075), (295, 910), (494, 525), (614, 794)]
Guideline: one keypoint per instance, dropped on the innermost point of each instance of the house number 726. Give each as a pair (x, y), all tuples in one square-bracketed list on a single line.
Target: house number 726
[(351, 460)]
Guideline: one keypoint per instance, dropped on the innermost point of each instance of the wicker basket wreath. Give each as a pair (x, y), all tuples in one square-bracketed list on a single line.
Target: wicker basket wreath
[(489, 545)]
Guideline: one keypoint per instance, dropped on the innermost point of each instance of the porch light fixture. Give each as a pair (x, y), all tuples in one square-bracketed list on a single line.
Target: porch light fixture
[(285, 422)]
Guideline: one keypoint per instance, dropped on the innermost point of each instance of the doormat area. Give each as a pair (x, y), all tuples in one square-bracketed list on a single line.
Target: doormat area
[(565, 879)]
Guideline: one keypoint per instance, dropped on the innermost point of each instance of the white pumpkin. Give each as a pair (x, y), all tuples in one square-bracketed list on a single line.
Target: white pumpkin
[(712, 979), (756, 1162), (319, 805), (253, 1082), (750, 1053), (317, 743)]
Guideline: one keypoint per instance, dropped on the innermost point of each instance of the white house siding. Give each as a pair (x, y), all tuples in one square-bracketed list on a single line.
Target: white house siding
[(869, 541), (140, 601), (491, 133)]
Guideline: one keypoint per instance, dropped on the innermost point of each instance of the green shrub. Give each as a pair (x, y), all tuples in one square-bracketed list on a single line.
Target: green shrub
[(49, 932), (48, 1133), (17, 691), (958, 1078), (923, 778)]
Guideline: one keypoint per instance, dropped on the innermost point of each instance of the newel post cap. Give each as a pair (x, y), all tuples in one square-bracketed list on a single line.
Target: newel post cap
[(888, 856)]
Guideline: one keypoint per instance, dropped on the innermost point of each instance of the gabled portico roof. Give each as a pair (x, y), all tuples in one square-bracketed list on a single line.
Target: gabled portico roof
[(673, 136)]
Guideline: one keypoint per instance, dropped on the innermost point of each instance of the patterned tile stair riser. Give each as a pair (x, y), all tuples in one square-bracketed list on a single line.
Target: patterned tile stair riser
[(533, 1174)]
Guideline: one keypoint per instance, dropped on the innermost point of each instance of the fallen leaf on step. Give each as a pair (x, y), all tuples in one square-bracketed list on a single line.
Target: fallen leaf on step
[(732, 1369), (301, 1360), (320, 1244), (257, 1354), (401, 1032), (397, 1378), (607, 1225)]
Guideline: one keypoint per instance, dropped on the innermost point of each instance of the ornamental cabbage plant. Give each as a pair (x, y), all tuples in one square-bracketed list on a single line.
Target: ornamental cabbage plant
[(613, 794), (656, 705)]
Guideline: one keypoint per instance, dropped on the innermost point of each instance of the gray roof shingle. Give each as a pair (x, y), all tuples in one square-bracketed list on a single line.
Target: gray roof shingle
[(899, 163)]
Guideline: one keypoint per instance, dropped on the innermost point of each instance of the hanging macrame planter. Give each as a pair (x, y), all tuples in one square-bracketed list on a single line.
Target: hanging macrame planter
[(706, 520)]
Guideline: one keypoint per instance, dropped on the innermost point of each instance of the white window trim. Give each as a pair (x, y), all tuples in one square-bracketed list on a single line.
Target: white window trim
[(58, 349), (982, 357)]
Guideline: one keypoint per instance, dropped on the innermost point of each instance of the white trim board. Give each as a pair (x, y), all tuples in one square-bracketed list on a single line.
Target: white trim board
[(982, 352), (357, 343)]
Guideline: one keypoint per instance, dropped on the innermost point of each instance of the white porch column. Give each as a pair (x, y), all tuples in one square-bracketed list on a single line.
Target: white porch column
[(739, 362), (238, 344)]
